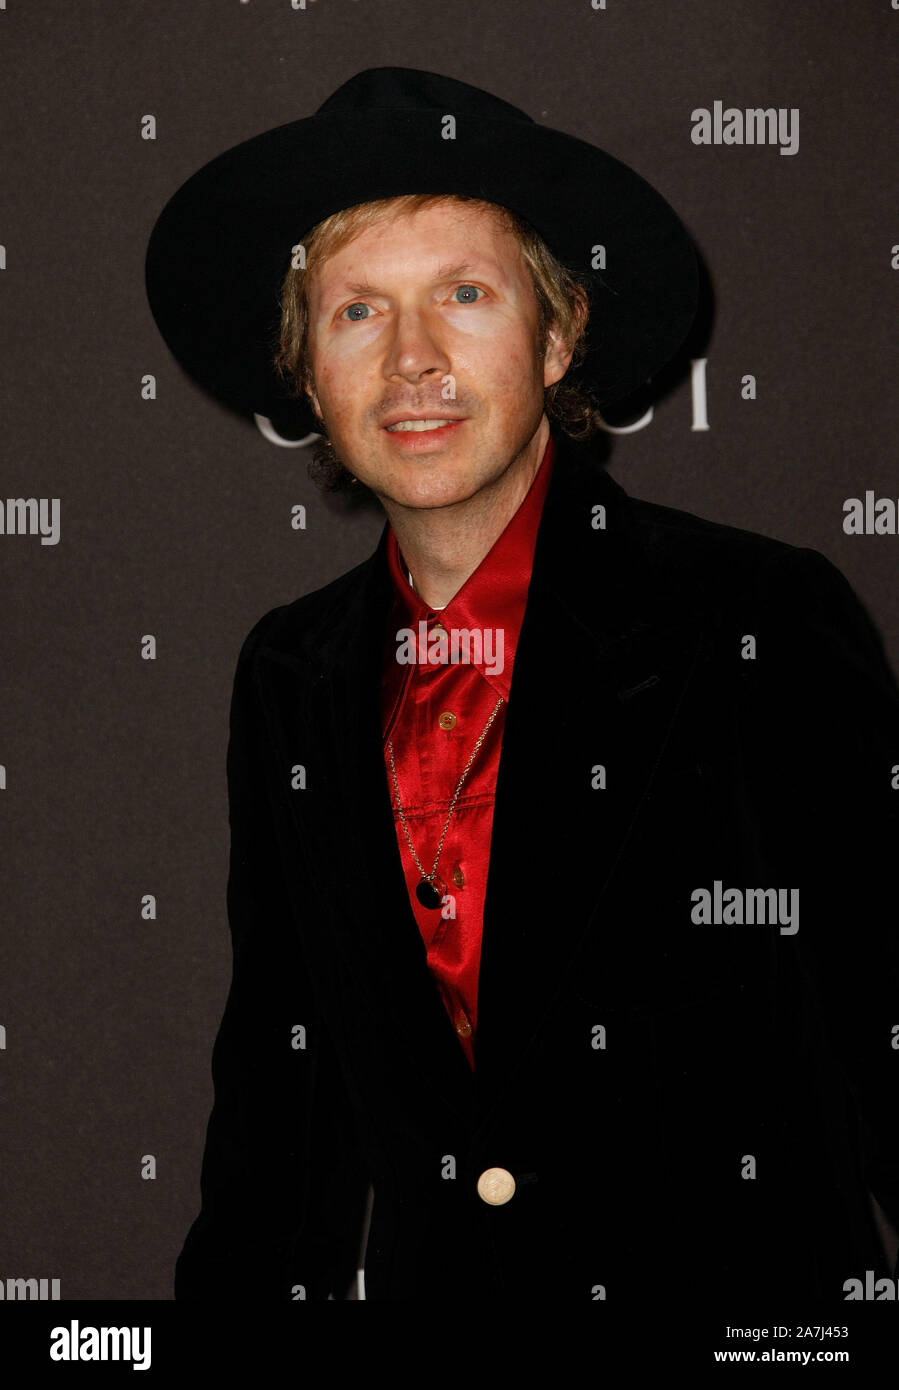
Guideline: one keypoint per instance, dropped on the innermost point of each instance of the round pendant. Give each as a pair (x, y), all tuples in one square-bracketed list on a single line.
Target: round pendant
[(427, 894)]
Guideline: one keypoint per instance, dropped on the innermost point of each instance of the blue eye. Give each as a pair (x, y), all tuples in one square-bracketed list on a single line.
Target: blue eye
[(467, 288), (356, 318)]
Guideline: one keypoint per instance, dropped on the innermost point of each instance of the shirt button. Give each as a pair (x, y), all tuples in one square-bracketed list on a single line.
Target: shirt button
[(463, 1024), (438, 627), (447, 720), (458, 876), (496, 1186)]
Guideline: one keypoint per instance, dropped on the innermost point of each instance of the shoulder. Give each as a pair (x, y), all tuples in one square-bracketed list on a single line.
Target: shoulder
[(714, 564), (705, 566), (287, 626), (811, 616)]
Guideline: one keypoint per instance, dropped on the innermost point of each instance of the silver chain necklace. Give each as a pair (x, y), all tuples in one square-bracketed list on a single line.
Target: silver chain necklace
[(431, 889)]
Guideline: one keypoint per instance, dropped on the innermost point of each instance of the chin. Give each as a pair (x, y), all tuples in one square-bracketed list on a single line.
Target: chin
[(434, 493)]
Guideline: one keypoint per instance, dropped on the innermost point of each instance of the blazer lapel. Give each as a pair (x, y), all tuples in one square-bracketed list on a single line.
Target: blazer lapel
[(321, 684), (602, 665)]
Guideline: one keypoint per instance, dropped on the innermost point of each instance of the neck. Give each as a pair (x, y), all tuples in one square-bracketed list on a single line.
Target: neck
[(442, 546)]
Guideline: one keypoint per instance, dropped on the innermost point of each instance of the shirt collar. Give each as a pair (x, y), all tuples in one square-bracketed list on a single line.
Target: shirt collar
[(495, 595)]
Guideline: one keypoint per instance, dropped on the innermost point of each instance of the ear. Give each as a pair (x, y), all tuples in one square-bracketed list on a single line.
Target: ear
[(556, 358), (559, 351), (313, 399)]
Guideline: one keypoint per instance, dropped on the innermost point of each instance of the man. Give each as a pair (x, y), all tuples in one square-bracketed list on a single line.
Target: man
[(562, 826)]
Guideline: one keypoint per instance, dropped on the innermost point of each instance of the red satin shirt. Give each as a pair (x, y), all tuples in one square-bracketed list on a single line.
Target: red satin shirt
[(434, 714)]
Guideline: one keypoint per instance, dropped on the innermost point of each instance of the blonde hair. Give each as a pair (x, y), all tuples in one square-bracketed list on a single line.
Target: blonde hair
[(562, 302)]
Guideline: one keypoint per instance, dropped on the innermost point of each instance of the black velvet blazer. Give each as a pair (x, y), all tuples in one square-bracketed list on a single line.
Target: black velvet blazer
[(709, 1103)]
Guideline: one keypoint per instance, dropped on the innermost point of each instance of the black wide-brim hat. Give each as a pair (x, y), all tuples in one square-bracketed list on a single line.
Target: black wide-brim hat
[(220, 249)]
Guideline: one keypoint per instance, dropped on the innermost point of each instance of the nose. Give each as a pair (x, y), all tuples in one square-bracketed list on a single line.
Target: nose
[(415, 352)]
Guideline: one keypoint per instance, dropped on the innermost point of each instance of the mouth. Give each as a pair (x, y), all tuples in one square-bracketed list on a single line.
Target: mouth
[(419, 426), (431, 435)]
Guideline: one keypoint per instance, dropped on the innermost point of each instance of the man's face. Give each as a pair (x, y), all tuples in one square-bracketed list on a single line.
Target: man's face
[(430, 314)]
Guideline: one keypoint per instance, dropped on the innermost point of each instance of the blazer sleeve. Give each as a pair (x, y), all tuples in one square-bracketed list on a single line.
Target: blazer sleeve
[(836, 703), (283, 1183)]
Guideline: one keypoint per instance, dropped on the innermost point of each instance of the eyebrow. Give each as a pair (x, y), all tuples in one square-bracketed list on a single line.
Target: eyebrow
[(444, 272)]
